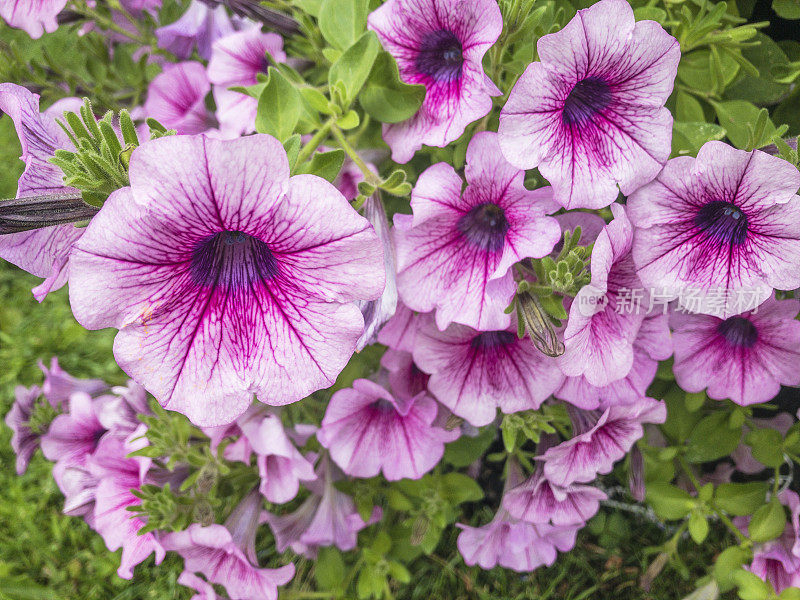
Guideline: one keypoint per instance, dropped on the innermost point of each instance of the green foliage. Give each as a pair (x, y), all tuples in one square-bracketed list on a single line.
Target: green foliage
[(279, 107)]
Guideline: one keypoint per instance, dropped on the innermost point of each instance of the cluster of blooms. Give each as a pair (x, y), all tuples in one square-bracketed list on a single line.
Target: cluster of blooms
[(229, 277)]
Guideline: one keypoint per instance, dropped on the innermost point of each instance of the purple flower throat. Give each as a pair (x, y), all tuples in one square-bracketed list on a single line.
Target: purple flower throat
[(738, 331), (440, 56), (485, 226), (232, 260), (587, 98), (723, 222)]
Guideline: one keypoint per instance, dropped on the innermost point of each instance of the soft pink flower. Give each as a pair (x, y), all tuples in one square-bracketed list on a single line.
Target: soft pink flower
[(34, 16), (176, 98), (24, 440)]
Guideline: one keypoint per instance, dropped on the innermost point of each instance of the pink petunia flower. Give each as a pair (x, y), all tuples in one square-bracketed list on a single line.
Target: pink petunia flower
[(328, 517), (474, 373), (406, 379), (74, 435), (746, 357), (599, 440), (176, 98), (34, 16), (225, 276), (368, 430), (59, 385), (24, 440), (600, 332), (117, 476), (225, 555), (236, 60), (200, 26), (719, 231), (511, 543), (455, 253), (591, 114), (42, 252), (778, 561), (439, 44), (400, 331)]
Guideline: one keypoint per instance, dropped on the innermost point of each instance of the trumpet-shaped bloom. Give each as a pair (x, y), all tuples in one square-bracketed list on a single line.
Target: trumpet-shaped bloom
[(594, 451), (439, 44), (59, 385), (719, 231), (474, 373), (591, 114), (406, 379), (225, 555), (117, 475), (34, 16), (74, 436), (746, 357), (199, 26), (455, 253), (600, 333), (400, 331), (24, 440), (778, 561), (226, 277), (42, 252), (328, 517), (176, 98), (653, 343), (368, 430), (236, 60)]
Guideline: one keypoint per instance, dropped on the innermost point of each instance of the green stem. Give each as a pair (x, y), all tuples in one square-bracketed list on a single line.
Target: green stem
[(300, 595), (106, 23), (369, 176), (319, 137)]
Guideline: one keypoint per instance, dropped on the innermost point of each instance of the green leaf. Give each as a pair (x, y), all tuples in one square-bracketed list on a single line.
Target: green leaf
[(688, 108), (343, 21), (466, 450), (325, 164), (459, 488), (385, 97), (768, 521), (328, 568), (791, 593), (751, 586), (689, 137), (312, 7), (349, 121), (767, 446), (695, 401), (668, 501), (761, 88), (698, 527), (292, 147), (735, 115), (740, 499), (787, 9), (711, 439), (727, 564), (279, 107), (354, 66)]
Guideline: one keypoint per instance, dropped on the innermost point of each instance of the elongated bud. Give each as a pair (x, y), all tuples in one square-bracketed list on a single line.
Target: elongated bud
[(36, 212), (538, 325), (253, 9), (636, 474)]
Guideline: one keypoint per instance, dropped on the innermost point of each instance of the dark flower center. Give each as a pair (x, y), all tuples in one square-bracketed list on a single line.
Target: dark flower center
[(383, 406), (492, 339), (440, 56), (586, 99), (723, 221), (485, 226), (232, 260), (738, 331)]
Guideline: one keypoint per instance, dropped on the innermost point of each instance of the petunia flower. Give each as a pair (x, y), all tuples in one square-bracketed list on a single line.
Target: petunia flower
[(599, 440), (743, 457), (328, 517), (719, 231), (439, 44), (400, 330), (405, 378), (653, 343), (59, 385), (120, 410), (600, 332), (473, 373), (280, 464), (24, 440), (34, 16), (455, 254), (176, 98), (591, 114), (74, 435), (117, 476), (236, 60), (746, 357), (225, 555), (205, 591), (200, 26), (42, 252), (512, 543), (226, 277), (367, 430)]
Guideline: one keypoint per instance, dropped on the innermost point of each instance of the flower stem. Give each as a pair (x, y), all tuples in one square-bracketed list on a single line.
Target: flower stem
[(319, 137), (369, 176)]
